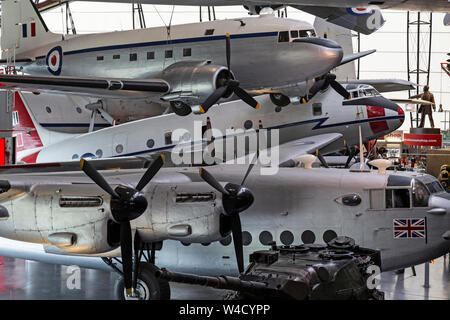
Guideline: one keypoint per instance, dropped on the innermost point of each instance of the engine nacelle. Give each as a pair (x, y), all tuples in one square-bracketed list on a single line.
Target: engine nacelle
[(66, 217), (186, 212), (191, 82)]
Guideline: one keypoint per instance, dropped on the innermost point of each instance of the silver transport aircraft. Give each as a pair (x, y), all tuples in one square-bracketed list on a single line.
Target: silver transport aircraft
[(189, 66), (205, 221), (327, 123)]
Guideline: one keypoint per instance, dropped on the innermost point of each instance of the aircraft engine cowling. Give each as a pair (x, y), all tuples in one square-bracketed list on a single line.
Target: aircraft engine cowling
[(186, 212), (64, 218), (191, 82)]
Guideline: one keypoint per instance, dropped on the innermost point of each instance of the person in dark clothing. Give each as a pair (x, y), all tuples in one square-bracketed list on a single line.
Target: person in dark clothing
[(425, 109)]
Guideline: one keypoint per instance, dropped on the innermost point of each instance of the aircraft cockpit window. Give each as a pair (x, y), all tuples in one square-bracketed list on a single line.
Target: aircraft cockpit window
[(371, 92), (355, 94), (209, 32), (283, 36), (420, 194), (435, 187), (307, 33), (397, 198), (294, 34)]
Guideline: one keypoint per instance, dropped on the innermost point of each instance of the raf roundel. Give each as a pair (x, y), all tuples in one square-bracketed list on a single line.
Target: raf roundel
[(360, 11), (54, 61)]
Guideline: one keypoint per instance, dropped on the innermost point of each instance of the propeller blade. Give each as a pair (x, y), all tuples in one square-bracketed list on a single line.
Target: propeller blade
[(213, 98), (127, 255), (351, 154), (250, 167), (228, 50), (316, 87), (236, 230), (244, 96), (340, 89), (321, 159), (210, 138), (212, 181), (151, 171), (92, 173)]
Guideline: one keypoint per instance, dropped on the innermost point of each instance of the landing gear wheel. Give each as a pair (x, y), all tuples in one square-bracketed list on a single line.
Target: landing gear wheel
[(148, 286), (180, 108), (279, 99)]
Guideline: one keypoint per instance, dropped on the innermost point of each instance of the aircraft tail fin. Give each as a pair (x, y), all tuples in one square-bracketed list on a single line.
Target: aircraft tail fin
[(28, 139), (31, 137), (23, 30)]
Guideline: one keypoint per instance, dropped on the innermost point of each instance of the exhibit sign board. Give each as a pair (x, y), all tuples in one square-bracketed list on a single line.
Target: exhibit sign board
[(428, 140)]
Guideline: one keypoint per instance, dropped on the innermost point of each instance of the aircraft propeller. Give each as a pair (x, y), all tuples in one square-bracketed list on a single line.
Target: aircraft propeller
[(127, 204), (328, 80), (227, 85), (235, 199)]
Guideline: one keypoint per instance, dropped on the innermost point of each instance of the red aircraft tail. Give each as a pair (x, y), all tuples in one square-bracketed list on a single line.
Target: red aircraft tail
[(25, 131)]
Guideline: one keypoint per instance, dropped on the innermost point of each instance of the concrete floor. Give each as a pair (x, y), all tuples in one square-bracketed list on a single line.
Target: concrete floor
[(28, 280)]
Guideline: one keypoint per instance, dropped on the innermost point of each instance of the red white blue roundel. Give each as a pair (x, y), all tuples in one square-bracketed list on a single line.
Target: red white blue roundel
[(54, 60), (360, 11)]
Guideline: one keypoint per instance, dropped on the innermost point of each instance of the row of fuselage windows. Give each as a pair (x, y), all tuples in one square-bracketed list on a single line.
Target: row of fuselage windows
[(168, 54), (286, 237)]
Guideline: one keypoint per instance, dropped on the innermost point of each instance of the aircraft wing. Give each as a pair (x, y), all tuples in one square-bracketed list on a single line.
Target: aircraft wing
[(356, 56), (388, 85), (289, 151), (412, 101), (133, 162), (101, 87), (366, 22)]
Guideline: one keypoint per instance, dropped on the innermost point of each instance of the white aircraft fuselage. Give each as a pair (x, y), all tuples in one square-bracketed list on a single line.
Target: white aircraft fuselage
[(326, 112)]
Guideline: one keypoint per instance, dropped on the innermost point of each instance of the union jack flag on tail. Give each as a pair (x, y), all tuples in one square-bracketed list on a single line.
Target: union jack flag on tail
[(409, 228)]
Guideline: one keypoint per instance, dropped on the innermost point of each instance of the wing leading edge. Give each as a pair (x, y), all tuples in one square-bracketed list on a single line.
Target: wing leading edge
[(113, 88)]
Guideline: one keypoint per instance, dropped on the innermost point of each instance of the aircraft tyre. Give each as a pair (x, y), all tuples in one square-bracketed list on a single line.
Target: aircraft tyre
[(280, 99), (148, 286), (180, 108)]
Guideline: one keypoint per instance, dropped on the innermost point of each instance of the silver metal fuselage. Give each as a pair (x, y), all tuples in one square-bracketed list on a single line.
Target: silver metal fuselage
[(258, 60), (294, 200)]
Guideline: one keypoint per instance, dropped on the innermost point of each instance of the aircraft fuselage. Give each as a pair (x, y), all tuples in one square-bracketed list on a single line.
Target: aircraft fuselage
[(258, 58)]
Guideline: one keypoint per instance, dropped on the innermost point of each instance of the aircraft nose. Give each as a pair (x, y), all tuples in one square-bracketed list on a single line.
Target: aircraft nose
[(322, 55)]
